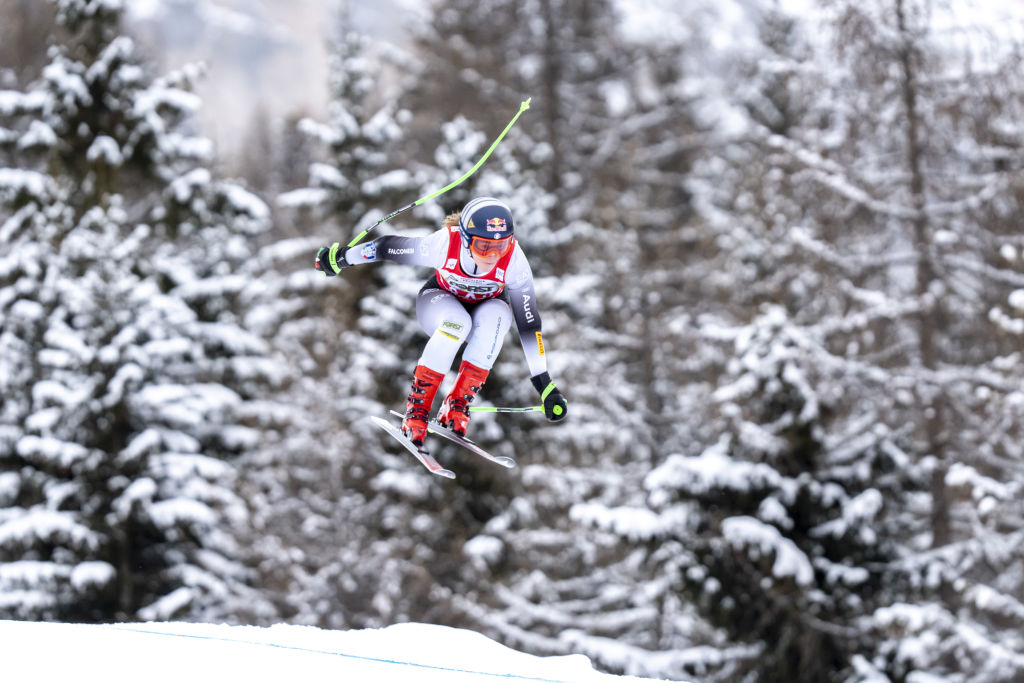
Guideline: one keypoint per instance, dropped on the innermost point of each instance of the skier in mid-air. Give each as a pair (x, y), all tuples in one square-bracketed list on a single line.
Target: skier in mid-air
[(481, 280)]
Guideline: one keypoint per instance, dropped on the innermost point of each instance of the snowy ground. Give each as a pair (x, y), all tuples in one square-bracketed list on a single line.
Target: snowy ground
[(195, 653)]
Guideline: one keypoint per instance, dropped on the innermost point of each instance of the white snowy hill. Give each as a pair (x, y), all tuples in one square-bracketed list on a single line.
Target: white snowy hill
[(195, 653)]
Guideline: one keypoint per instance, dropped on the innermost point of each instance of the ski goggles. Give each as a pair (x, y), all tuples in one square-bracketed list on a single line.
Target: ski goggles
[(484, 247)]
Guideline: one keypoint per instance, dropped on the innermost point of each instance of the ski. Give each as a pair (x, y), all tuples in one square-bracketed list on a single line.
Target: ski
[(434, 427), (425, 458)]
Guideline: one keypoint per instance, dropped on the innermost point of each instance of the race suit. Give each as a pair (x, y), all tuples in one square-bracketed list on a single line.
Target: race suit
[(459, 304)]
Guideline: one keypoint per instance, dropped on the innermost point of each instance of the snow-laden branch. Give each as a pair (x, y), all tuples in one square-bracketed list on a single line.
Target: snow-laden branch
[(848, 263), (982, 269), (834, 176), (998, 183)]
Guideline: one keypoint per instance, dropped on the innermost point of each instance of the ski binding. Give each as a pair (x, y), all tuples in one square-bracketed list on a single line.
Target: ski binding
[(435, 427)]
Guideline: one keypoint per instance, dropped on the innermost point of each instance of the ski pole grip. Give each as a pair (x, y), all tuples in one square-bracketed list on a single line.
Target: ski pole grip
[(556, 410), (333, 257)]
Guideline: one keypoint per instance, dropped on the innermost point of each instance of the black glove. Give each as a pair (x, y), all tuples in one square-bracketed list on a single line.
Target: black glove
[(331, 260), (555, 405)]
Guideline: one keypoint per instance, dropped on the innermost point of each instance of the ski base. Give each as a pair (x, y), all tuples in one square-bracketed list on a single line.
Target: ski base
[(425, 458), (434, 427)]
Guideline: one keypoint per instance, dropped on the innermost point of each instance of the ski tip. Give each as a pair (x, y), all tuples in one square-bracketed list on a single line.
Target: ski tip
[(447, 474), (505, 462)]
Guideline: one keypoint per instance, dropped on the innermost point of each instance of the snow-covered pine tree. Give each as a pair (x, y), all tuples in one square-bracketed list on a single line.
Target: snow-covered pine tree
[(955, 137), (127, 380), (869, 197), (829, 387), (775, 532)]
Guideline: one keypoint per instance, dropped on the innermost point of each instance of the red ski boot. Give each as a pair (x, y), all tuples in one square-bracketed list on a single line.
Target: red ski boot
[(455, 410), (425, 384)]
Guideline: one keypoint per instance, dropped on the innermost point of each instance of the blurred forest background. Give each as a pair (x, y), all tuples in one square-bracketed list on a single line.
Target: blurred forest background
[(781, 278)]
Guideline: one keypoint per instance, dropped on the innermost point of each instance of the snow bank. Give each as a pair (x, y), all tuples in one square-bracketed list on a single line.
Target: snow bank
[(183, 653)]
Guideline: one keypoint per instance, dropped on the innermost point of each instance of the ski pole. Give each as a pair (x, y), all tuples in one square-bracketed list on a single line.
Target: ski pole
[(495, 409), (522, 107)]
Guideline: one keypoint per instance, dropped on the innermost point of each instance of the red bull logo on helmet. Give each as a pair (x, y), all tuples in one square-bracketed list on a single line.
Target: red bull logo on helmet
[(496, 225)]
